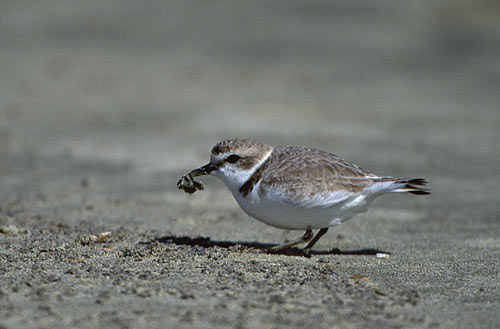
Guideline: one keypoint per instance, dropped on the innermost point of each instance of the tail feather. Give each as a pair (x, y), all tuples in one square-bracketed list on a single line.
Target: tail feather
[(410, 187)]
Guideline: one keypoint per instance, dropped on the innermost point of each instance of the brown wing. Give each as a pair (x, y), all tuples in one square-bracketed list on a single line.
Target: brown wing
[(309, 177)]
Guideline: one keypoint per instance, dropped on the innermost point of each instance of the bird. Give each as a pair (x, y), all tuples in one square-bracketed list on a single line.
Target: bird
[(296, 187)]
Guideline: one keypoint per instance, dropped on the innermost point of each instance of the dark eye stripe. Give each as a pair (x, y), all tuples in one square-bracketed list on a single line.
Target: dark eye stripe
[(233, 158)]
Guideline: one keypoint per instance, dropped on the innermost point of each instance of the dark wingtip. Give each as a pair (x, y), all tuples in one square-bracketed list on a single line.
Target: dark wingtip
[(412, 186), (417, 181)]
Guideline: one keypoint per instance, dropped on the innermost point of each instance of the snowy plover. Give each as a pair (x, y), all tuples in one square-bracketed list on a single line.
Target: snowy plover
[(294, 187)]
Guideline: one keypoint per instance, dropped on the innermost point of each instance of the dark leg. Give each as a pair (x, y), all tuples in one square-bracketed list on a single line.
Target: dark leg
[(305, 238), (318, 235)]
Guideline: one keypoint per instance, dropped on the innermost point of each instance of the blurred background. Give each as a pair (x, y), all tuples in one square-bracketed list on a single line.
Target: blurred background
[(104, 104), (403, 88), (157, 83)]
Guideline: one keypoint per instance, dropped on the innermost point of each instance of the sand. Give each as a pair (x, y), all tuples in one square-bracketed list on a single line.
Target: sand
[(104, 105)]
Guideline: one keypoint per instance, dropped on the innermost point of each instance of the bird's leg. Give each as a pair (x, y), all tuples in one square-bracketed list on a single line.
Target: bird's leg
[(318, 235), (305, 238)]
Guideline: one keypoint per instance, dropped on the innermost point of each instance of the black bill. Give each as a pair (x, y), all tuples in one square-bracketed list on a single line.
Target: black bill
[(205, 170)]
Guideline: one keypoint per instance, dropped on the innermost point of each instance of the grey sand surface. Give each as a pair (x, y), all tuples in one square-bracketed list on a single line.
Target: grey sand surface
[(105, 104)]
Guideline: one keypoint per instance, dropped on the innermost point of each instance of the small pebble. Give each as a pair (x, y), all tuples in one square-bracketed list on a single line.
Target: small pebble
[(9, 230)]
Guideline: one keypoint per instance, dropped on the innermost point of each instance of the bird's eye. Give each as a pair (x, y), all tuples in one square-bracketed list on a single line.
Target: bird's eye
[(233, 158)]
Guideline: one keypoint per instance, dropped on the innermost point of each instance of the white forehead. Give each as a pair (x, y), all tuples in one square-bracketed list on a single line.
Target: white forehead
[(215, 158)]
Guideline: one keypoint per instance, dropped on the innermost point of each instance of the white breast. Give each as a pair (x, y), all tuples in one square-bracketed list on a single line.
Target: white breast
[(290, 217)]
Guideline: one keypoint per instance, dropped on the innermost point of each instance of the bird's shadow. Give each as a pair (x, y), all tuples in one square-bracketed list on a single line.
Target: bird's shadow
[(292, 251)]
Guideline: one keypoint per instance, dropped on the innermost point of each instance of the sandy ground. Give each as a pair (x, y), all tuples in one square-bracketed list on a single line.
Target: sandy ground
[(105, 104)]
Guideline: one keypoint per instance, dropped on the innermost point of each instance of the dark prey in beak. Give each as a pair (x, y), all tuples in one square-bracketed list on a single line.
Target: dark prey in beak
[(188, 184)]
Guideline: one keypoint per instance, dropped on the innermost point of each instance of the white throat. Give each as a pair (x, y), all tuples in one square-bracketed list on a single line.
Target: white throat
[(234, 178)]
